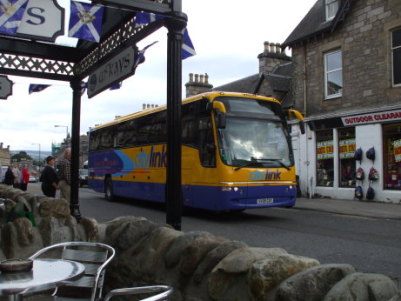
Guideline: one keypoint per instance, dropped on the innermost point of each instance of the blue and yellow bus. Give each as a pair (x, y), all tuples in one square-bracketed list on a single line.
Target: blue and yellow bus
[(236, 154)]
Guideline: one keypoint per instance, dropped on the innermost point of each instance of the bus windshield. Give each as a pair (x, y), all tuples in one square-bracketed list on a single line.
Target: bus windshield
[(254, 142)]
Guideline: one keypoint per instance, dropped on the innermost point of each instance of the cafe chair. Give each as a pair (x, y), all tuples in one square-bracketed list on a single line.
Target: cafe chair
[(163, 292), (93, 255)]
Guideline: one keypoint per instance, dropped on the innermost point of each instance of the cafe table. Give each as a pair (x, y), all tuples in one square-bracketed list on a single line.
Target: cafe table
[(45, 274)]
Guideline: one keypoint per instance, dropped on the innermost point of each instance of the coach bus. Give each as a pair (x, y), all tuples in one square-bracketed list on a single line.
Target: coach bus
[(236, 154)]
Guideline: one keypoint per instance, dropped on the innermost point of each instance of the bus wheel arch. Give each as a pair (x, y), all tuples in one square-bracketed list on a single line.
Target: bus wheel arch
[(108, 189)]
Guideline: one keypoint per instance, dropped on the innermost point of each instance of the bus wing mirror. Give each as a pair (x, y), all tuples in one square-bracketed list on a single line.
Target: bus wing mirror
[(220, 113), (296, 114)]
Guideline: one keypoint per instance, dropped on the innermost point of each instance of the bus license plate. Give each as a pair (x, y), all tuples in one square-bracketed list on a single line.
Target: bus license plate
[(265, 201)]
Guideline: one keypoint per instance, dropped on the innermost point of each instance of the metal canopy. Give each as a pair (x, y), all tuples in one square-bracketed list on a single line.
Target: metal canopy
[(30, 58)]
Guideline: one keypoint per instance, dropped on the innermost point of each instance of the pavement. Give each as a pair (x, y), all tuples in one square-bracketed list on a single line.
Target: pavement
[(351, 207), (347, 207)]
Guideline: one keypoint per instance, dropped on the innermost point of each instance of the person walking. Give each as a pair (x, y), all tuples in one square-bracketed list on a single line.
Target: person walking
[(24, 177), (9, 177), (17, 177), (49, 178), (64, 175)]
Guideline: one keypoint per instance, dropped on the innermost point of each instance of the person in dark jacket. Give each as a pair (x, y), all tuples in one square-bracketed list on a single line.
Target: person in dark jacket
[(9, 177), (49, 178)]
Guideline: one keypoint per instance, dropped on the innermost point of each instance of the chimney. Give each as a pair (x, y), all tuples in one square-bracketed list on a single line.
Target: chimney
[(199, 85), (271, 57)]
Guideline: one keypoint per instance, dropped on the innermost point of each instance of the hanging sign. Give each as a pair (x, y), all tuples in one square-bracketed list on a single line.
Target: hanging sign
[(6, 87), (42, 20), (114, 70)]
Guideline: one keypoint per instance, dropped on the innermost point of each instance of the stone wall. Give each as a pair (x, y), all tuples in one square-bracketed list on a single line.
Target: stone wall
[(364, 39), (199, 265)]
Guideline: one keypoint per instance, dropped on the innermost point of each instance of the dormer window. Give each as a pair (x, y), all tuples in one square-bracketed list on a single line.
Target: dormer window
[(331, 9)]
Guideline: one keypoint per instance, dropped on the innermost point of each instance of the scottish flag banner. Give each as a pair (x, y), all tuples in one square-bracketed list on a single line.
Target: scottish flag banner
[(85, 21), (11, 13), (187, 46), (143, 18), (37, 88)]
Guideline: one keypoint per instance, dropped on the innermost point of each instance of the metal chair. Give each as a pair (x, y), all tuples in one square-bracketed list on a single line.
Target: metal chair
[(93, 255), (163, 291)]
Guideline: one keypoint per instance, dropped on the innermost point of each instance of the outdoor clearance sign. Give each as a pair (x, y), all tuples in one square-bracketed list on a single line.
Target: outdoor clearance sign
[(112, 71), (372, 118)]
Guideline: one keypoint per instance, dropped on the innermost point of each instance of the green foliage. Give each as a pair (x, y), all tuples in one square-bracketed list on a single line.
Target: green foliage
[(21, 157)]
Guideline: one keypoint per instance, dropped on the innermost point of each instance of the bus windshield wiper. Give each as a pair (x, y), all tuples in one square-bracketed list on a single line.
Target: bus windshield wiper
[(253, 162), (272, 160)]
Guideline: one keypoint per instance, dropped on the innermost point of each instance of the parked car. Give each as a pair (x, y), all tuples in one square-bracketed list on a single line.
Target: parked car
[(33, 179), (83, 177), (3, 171)]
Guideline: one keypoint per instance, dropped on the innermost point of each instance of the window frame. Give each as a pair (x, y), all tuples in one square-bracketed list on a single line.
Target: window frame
[(329, 4), (393, 48), (326, 73)]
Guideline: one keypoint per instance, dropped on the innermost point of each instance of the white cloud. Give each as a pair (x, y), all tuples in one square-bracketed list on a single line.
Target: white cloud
[(227, 35)]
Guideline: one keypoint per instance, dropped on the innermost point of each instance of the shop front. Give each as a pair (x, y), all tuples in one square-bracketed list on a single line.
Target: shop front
[(327, 167)]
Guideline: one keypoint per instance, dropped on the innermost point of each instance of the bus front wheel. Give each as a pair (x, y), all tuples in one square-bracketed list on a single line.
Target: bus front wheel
[(108, 190)]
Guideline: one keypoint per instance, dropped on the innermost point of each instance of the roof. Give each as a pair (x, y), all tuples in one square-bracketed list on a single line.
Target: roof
[(314, 23)]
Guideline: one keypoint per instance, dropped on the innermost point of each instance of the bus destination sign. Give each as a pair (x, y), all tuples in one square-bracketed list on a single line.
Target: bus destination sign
[(114, 70)]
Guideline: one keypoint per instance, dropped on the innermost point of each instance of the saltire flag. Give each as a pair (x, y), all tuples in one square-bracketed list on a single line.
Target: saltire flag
[(141, 55), (37, 88), (84, 86), (116, 86), (188, 49), (85, 21), (11, 13)]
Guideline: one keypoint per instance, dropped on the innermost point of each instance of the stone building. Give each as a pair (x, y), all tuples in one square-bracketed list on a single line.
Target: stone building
[(347, 81), (4, 155)]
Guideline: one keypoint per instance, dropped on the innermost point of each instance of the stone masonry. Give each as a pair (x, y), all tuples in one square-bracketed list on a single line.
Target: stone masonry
[(199, 265)]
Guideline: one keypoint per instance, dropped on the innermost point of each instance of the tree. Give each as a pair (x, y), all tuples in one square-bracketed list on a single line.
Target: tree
[(21, 156)]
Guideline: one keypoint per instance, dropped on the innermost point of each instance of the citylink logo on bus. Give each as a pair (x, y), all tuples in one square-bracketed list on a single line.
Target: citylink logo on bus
[(150, 159), (265, 175)]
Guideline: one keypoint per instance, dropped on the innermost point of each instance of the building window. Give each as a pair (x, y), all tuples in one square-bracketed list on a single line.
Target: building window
[(346, 150), (392, 156), (324, 158), (331, 9), (333, 74), (396, 54)]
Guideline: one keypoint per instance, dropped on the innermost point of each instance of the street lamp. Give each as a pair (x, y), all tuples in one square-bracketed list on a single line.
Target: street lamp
[(63, 126), (40, 161)]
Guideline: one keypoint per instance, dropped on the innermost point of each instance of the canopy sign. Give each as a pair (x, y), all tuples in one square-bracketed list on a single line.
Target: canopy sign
[(114, 70), (6, 87), (42, 20)]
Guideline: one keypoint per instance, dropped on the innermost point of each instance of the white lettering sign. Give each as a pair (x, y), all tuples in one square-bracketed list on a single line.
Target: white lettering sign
[(42, 20), (114, 70)]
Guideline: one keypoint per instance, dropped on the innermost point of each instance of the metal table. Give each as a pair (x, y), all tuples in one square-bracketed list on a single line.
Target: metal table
[(45, 274)]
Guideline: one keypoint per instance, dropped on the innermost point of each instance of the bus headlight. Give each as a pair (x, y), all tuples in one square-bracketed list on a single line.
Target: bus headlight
[(228, 188)]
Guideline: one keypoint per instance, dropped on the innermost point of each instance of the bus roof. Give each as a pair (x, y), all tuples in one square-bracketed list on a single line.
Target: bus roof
[(208, 95)]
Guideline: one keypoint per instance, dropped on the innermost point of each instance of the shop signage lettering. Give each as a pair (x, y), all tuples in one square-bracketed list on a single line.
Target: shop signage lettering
[(397, 150), (347, 148), (372, 118), (325, 150)]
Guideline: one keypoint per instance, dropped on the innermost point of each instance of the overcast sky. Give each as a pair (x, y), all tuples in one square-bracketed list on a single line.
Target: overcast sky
[(227, 36)]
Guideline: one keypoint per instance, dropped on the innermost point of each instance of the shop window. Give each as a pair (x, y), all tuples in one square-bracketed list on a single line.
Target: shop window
[(392, 156), (333, 74), (324, 158), (396, 54), (346, 150)]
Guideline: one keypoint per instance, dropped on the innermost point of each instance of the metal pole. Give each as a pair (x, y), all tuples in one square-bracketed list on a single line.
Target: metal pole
[(76, 119), (175, 26)]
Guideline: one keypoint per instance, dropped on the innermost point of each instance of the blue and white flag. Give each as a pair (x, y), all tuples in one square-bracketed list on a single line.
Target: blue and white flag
[(116, 86), (37, 88), (85, 21), (11, 13), (141, 55), (187, 46), (143, 18), (84, 86)]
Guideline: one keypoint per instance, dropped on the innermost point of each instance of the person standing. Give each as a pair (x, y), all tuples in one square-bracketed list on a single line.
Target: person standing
[(17, 177), (24, 178), (64, 175), (49, 178), (9, 177)]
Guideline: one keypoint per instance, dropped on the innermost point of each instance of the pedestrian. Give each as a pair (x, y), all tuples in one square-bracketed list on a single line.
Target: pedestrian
[(9, 177), (49, 178), (24, 177), (17, 177), (64, 175)]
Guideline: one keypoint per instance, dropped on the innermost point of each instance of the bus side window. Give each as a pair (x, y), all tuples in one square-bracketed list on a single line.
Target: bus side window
[(207, 149)]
